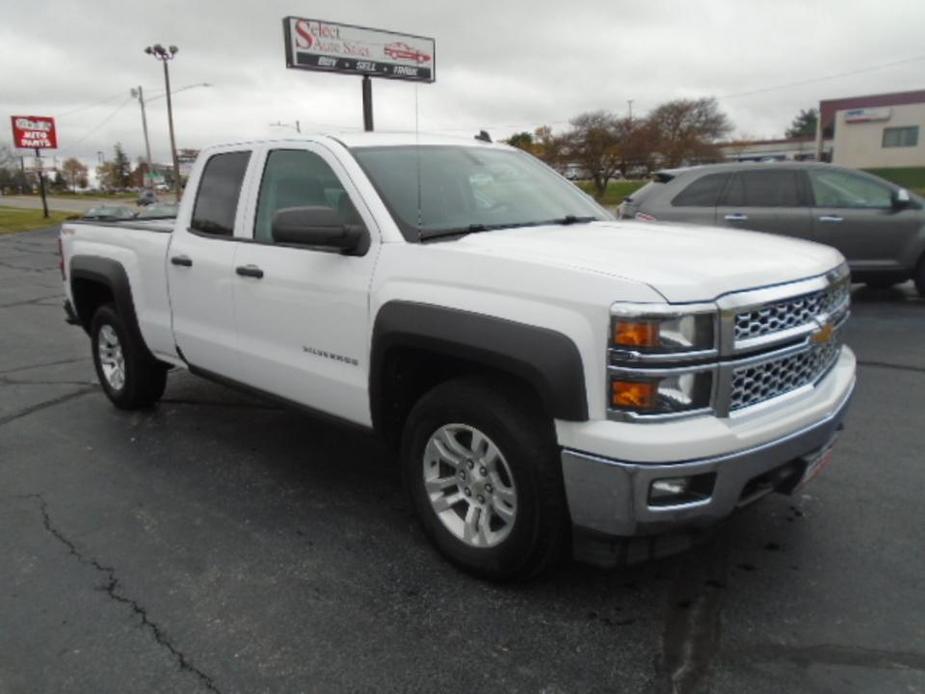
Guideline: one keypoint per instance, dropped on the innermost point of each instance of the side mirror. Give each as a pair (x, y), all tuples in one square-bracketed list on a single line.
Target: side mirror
[(320, 228), (900, 199)]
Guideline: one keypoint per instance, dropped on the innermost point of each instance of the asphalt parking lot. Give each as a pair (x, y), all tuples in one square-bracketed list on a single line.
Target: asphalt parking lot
[(218, 543)]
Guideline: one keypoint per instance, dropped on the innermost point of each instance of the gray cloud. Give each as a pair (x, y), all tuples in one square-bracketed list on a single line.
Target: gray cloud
[(503, 66)]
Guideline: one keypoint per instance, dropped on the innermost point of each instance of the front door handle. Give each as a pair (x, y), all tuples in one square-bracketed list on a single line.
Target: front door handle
[(249, 271), (182, 261), (830, 218), (736, 217)]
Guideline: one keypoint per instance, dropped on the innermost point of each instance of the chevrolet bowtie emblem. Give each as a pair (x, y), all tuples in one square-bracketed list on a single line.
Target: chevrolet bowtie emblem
[(824, 334)]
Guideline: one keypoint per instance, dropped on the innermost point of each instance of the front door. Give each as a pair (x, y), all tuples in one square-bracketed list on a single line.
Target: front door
[(302, 314), (200, 266), (855, 214)]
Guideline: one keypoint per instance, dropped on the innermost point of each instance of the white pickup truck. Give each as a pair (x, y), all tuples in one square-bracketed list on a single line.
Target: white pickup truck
[(553, 378)]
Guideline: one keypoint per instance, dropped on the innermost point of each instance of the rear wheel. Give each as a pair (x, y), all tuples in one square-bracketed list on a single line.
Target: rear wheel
[(920, 277), (130, 377), (482, 468)]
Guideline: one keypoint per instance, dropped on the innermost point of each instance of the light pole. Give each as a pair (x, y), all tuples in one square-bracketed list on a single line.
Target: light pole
[(280, 124), (139, 94), (165, 55)]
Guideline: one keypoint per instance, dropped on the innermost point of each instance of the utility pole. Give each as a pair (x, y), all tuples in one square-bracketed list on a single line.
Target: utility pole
[(139, 94), (165, 55), (630, 103)]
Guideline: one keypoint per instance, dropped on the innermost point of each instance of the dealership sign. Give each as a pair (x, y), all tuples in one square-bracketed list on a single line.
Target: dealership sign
[(867, 115), (313, 44), (34, 132)]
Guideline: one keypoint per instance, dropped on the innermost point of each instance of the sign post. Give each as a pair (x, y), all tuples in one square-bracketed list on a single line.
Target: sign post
[(38, 133), (313, 44)]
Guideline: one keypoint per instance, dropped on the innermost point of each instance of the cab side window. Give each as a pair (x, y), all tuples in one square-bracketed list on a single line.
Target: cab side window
[(842, 189), (298, 178), (219, 190), (764, 189)]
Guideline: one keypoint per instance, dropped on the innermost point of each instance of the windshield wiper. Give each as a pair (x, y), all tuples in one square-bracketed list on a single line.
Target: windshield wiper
[(475, 228), (570, 219), (471, 229)]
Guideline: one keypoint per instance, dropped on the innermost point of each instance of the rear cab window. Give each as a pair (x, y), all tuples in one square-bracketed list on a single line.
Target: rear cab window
[(218, 194)]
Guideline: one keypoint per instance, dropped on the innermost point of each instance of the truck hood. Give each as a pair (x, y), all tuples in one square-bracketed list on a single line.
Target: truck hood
[(682, 262)]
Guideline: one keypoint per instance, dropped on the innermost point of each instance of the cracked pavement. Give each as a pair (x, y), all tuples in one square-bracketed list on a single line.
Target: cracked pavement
[(219, 543)]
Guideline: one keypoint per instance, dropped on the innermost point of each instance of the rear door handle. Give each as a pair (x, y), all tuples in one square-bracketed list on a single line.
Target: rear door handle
[(249, 271), (736, 217), (830, 218), (182, 260)]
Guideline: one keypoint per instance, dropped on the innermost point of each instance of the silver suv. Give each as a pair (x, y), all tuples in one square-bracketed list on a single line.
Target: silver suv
[(878, 226)]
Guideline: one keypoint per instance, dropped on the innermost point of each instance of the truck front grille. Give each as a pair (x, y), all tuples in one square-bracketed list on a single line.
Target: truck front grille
[(765, 380), (792, 312)]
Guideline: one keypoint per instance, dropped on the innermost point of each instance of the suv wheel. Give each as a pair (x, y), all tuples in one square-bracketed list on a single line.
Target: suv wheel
[(920, 277), (482, 468), (130, 377)]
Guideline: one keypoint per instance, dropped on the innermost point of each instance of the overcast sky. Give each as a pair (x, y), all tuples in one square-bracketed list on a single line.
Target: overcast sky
[(502, 66)]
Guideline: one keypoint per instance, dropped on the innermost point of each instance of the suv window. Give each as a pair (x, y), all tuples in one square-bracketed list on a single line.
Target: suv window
[(843, 189), (299, 178), (764, 189), (704, 192), (219, 189)]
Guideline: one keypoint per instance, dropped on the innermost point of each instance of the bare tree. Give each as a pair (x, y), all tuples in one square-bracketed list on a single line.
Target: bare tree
[(595, 144), (74, 172), (686, 130)]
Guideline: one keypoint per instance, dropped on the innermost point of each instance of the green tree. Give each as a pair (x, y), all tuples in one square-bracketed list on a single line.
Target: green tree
[(115, 174), (522, 141), (804, 124)]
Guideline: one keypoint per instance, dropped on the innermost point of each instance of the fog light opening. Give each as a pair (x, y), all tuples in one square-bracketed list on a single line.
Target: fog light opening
[(677, 491)]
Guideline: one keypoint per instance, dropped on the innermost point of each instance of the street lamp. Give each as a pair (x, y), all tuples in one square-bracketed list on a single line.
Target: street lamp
[(165, 55), (280, 124)]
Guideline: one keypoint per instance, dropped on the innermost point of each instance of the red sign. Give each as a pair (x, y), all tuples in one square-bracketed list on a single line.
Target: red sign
[(34, 132)]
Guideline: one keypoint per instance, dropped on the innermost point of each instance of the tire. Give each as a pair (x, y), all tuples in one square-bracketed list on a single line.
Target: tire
[(511, 536), (881, 284), (131, 378), (919, 277)]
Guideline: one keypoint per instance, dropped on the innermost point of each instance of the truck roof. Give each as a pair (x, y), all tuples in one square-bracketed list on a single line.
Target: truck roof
[(373, 139)]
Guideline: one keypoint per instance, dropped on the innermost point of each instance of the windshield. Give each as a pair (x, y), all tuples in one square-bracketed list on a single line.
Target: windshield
[(466, 189)]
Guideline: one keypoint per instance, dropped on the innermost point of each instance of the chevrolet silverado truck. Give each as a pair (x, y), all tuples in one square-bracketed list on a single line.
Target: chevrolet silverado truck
[(553, 379)]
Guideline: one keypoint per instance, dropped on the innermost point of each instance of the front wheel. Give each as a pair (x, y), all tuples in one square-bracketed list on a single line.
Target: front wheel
[(482, 467), (130, 377)]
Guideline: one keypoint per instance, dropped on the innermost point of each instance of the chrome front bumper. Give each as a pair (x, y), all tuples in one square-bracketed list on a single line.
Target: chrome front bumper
[(610, 497)]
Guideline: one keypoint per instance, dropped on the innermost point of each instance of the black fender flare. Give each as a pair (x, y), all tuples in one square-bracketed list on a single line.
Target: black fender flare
[(548, 360), (111, 274)]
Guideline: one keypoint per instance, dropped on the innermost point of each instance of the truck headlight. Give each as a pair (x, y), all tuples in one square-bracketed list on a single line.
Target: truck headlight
[(662, 328), (648, 392)]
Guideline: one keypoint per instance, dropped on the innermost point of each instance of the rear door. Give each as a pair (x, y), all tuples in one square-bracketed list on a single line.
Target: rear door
[(771, 200), (854, 213), (302, 314), (696, 201), (200, 265)]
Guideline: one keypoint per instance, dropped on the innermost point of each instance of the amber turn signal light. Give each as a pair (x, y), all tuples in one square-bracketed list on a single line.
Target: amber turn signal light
[(634, 395), (635, 333)]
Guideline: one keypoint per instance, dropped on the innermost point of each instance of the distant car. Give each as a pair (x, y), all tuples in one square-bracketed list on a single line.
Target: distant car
[(158, 210), (878, 226), (147, 197), (402, 51), (109, 213)]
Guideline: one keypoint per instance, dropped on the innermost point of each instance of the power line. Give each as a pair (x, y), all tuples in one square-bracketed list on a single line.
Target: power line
[(103, 122), (91, 105), (815, 80)]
